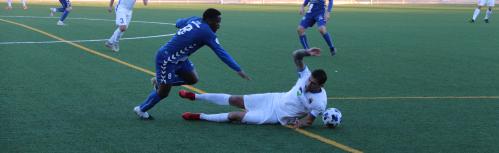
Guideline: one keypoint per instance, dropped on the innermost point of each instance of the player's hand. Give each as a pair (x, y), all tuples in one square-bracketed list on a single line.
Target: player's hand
[(145, 2), (326, 16), (243, 75), (314, 51), (69, 8), (302, 9), (297, 124), (110, 9)]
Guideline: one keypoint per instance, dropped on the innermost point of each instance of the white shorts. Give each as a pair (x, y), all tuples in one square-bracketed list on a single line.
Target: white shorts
[(123, 16), (486, 2), (260, 108)]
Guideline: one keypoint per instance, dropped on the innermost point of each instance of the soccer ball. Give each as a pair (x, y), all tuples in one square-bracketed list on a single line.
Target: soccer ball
[(332, 117)]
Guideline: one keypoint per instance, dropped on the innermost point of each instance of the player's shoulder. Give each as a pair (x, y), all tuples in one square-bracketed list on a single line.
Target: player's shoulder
[(321, 96), (305, 72), (191, 19), (206, 29)]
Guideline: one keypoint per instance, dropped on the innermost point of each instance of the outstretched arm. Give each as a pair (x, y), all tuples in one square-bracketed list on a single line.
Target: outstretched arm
[(145, 2), (304, 122), (302, 8), (299, 54), (329, 8), (226, 58), (110, 8)]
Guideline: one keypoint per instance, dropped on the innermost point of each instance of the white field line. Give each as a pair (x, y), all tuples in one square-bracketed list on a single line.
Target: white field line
[(80, 41), (90, 19)]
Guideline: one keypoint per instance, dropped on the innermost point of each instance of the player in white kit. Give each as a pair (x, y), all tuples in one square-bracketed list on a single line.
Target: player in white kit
[(299, 106), (9, 5), (490, 4), (123, 17)]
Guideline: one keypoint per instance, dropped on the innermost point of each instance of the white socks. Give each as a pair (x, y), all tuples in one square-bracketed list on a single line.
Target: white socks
[(24, 3), (115, 38), (222, 117), (9, 3), (475, 14), (219, 99), (487, 15)]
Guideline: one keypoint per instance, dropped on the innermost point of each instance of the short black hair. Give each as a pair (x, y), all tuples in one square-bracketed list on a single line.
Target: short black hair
[(211, 13), (320, 76)]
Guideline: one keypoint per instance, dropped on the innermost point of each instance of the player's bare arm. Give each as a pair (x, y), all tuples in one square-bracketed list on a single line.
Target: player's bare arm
[(299, 54), (110, 8), (243, 75), (302, 7), (304, 122), (327, 15)]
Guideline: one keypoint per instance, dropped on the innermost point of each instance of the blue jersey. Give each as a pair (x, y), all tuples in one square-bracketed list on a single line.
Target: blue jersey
[(318, 6), (193, 34), (65, 3)]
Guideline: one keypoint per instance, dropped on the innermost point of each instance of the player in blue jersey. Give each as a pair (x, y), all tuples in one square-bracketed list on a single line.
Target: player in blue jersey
[(66, 8), (316, 13), (173, 67)]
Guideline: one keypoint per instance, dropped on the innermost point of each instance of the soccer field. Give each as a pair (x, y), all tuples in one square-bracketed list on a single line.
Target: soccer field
[(406, 78)]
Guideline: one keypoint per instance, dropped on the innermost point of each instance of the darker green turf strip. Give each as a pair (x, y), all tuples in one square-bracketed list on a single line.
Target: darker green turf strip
[(58, 98)]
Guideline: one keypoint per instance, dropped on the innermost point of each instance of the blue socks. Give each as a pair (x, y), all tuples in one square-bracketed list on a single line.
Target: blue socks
[(152, 100), (303, 41), (64, 15), (327, 38)]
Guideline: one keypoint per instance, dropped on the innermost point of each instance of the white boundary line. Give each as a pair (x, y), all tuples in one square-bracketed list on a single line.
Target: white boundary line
[(90, 19), (79, 41)]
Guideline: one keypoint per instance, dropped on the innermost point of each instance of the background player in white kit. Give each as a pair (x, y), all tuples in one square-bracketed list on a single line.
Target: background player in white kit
[(299, 106), (9, 5), (490, 4), (123, 17)]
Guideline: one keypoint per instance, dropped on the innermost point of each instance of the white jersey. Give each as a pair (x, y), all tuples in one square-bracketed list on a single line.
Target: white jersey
[(125, 4), (297, 103), (490, 3)]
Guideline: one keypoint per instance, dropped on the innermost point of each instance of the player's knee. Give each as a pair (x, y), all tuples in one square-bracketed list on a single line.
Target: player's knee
[(237, 101), (322, 30), (300, 30), (236, 116), (122, 28), (192, 81), (162, 94), (163, 91)]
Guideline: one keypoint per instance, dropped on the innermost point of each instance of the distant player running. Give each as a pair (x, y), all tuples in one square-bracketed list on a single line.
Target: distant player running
[(65, 9), (306, 100), (489, 3), (173, 67), (123, 17), (9, 5), (316, 14)]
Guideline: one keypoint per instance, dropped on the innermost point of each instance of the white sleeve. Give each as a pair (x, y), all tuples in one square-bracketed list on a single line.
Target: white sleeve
[(318, 107), (305, 73)]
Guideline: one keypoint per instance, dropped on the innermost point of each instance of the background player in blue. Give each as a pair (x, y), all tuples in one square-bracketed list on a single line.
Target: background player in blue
[(173, 67), (316, 13), (66, 8)]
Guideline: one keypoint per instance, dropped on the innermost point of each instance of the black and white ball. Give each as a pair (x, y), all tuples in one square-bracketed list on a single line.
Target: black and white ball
[(332, 117)]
